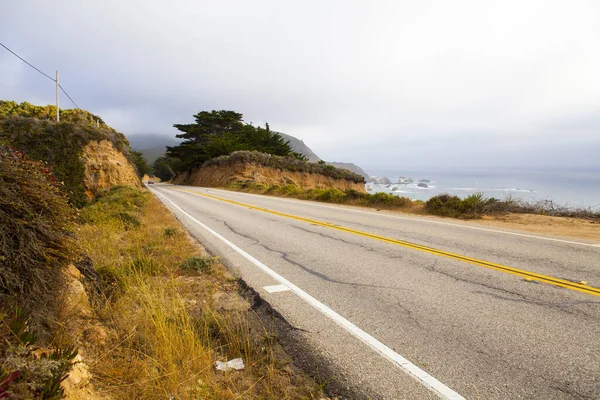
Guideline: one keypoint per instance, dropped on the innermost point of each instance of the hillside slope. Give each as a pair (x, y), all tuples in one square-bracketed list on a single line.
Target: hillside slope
[(245, 167), (82, 152)]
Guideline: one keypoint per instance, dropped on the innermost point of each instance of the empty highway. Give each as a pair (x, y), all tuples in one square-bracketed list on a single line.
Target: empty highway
[(401, 307)]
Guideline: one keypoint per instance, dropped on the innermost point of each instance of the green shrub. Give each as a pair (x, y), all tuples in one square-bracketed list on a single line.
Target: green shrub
[(332, 196), (35, 234), (381, 198), (248, 186), (169, 232), (472, 206), (355, 194), (199, 264), (143, 265), (23, 374), (385, 200), (289, 190), (119, 204)]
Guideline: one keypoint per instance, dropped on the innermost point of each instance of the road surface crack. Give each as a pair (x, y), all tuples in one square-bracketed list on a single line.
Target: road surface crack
[(367, 248), (518, 297), (285, 256)]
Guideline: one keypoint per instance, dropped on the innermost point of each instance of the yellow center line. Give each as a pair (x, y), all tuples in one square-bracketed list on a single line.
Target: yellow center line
[(499, 267)]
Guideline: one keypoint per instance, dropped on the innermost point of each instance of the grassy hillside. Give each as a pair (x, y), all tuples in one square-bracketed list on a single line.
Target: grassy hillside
[(32, 130)]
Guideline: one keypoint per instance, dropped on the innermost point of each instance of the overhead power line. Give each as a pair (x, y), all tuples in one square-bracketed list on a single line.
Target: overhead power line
[(41, 72), (67, 94), (25, 61)]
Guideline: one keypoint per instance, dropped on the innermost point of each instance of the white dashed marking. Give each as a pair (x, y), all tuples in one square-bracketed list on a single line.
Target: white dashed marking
[(276, 288)]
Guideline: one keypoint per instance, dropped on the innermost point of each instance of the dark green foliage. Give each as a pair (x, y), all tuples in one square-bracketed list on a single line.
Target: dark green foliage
[(119, 204), (35, 234), (218, 133), (23, 373), (472, 206), (27, 128), (475, 206), (163, 169), (284, 164), (140, 163), (386, 199), (331, 196)]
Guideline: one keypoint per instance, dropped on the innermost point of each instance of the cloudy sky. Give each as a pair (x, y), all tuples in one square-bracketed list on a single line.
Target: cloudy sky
[(428, 84)]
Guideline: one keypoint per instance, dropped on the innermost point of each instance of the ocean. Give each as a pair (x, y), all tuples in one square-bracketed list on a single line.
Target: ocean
[(576, 188)]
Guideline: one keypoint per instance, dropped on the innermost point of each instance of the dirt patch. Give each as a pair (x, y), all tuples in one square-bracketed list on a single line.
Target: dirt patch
[(557, 226), (106, 166)]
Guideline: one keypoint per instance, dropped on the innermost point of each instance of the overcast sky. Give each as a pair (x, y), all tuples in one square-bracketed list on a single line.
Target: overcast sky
[(385, 84)]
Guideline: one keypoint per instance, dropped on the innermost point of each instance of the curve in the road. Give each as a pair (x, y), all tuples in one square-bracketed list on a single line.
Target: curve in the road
[(580, 287)]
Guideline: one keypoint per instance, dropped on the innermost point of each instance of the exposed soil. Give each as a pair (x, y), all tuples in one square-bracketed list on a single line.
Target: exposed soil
[(105, 166), (220, 176)]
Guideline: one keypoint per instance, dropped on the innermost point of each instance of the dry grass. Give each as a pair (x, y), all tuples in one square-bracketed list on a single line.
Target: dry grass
[(169, 325)]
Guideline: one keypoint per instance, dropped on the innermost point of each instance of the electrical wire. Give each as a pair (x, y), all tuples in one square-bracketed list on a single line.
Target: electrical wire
[(46, 75)]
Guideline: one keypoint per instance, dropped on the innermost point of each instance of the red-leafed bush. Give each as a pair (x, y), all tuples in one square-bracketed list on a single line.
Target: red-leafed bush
[(35, 234)]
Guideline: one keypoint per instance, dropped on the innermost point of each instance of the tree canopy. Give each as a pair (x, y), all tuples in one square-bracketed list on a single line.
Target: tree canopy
[(217, 133), (162, 168), (140, 163)]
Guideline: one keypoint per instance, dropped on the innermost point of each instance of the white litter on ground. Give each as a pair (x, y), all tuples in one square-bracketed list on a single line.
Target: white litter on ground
[(236, 363)]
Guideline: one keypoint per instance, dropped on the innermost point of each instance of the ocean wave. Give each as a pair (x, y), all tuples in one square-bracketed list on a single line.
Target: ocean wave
[(493, 189), (504, 189)]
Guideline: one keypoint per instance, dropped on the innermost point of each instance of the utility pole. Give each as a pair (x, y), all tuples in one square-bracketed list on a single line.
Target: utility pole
[(57, 109)]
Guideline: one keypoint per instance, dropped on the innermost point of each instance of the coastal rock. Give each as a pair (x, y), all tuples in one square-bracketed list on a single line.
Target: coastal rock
[(425, 180), (422, 185), (382, 180)]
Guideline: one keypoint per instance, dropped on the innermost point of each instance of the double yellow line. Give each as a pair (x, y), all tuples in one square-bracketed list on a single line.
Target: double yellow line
[(532, 276)]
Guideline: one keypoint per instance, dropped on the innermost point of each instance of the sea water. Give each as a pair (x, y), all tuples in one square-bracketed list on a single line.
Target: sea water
[(576, 188)]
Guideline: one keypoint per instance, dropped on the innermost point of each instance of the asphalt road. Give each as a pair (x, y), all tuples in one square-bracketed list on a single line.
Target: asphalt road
[(408, 307)]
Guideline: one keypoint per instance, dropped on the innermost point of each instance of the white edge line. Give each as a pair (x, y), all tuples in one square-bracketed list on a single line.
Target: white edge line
[(411, 369), (408, 218)]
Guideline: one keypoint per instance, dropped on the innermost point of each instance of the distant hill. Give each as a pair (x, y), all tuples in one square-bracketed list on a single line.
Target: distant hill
[(299, 147), (153, 145), (350, 166)]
